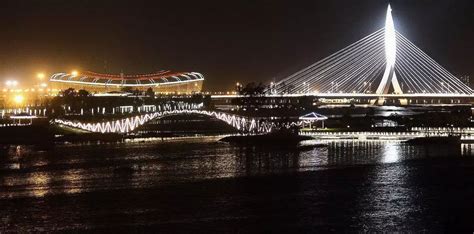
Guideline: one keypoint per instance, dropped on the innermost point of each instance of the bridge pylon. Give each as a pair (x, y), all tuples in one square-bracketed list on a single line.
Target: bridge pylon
[(381, 64)]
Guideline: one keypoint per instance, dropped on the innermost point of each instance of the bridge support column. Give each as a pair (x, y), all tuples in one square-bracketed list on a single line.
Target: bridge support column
[(380, 101), (403, 101)]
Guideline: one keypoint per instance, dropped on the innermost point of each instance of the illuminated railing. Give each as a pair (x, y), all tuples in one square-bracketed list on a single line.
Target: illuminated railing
[(243, 124)]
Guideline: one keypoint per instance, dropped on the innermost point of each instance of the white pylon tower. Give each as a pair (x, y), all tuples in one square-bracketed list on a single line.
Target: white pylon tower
[(389, 76)]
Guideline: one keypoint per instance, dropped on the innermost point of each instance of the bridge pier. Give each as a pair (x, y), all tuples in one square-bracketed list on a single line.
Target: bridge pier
[(380, 101)]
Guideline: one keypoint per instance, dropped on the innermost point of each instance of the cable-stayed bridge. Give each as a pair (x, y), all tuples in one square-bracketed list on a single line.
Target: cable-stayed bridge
[(384, 63)]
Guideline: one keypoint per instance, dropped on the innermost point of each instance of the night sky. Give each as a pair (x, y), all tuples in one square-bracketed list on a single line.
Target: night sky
[(227, 41)]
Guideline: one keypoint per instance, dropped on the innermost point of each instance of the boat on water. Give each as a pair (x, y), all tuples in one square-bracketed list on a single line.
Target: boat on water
[(436, 140)]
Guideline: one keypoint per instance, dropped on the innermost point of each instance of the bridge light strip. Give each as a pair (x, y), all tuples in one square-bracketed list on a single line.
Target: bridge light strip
[(345, 79), (334, 74), (127, 125), (329, 75), (330, 60), (430, 75), (326, 75), (434, 68), (342, 74), (408, 62), (412, 77)]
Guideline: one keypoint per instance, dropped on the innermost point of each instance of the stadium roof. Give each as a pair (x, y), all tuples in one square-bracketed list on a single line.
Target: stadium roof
[(155, 79)]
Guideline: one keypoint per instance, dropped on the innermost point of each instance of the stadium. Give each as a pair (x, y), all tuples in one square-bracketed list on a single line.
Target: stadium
[(161, 82)]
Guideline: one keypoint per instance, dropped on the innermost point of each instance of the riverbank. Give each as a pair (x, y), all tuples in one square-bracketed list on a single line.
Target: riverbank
[(50, 134)]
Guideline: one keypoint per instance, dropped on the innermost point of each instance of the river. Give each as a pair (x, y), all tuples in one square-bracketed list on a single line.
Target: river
[(202, 185)]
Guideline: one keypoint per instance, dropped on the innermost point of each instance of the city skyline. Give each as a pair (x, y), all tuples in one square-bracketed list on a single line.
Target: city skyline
[(271, 41)]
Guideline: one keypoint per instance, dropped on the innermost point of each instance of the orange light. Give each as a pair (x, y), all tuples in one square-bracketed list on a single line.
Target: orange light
[(40, 76), (18, 99)]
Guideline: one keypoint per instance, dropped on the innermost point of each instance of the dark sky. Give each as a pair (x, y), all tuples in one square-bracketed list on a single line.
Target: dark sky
[(227, 41)]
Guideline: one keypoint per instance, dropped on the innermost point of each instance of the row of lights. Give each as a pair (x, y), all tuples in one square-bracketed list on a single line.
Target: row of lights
[(18, 98), (39, 75), (29, 90)]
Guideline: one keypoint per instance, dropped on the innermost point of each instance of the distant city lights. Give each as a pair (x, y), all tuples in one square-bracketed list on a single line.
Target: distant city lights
[(11, 83), (18, 99), (40, 76)]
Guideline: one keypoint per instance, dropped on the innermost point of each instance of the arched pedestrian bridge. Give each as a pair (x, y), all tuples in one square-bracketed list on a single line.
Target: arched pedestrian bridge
[(126, 125)]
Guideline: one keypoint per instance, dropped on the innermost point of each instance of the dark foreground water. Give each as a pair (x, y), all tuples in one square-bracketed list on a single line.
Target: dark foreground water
[(200, 185)]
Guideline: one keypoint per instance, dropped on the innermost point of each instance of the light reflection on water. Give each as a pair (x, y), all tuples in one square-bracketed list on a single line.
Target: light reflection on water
[(70, 169)]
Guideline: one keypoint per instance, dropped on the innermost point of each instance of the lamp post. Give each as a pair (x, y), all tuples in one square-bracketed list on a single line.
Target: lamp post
[(238, 87)]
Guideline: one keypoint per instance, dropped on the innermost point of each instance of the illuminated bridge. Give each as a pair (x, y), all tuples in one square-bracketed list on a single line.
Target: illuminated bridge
[(240, 123), (126, 125), (382, 64)]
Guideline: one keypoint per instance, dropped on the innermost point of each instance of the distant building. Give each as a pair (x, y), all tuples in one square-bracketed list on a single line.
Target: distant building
[(161, 82)]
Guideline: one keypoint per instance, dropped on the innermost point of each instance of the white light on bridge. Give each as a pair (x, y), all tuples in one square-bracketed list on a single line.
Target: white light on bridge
[(390, 39)]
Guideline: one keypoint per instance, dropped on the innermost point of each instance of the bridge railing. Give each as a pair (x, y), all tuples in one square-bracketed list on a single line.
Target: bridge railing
[(126, 125)]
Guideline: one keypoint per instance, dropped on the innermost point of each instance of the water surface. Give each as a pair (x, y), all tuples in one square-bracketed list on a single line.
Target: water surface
[(199, 184)]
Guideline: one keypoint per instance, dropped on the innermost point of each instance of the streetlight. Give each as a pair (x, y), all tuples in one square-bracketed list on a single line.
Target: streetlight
[(11, 83), (238, 87), (18, 99), (74, 73), (40, 76)]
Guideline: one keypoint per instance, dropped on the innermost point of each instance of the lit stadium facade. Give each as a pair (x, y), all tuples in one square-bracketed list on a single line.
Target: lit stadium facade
[(160, 82)]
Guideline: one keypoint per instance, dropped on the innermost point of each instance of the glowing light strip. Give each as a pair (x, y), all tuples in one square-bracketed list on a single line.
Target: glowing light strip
[(410, 62), (326, 62), (435, 67), (325, 71), (54, 79), (342, 63), (130, 124), (339, 75), (407, 67), (347, 64), (352, 71), (361, 95), (427, 77)]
